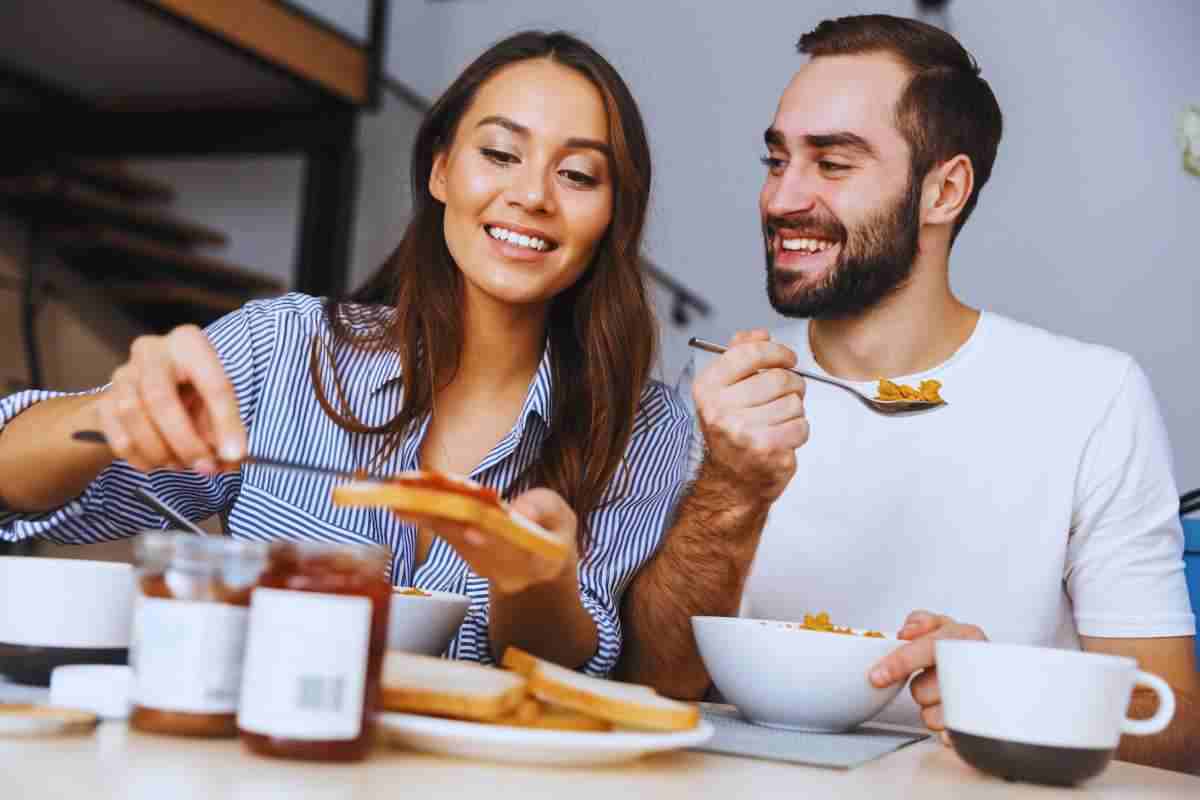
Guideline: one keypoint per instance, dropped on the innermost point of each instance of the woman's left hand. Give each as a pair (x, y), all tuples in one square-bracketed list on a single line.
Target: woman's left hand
[(512, 569)]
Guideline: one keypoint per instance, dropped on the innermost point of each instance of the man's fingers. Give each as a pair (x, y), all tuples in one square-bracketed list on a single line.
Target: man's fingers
[(918, 654), (921, 622), (932, 717), (743, 360), (925, 689), (762, 388)]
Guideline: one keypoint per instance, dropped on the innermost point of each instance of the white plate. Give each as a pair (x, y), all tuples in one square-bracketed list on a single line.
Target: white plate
[(530, 745)]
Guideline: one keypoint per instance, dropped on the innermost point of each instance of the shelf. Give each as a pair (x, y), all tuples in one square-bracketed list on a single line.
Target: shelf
[(58, 200), (106, 251)]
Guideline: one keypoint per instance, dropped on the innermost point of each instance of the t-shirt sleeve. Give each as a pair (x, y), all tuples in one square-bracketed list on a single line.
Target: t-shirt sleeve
[(1124, 571), (108, 508)]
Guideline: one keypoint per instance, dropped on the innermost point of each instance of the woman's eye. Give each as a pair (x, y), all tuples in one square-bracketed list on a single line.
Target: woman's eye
[(832, 166), (499, 156), (774, 165), (581, 178)]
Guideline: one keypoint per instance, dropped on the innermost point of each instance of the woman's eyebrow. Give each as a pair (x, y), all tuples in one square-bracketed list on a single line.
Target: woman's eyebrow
[(574, 142)]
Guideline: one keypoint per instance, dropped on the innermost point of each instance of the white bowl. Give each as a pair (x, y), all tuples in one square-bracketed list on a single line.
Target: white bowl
[(425, 624), (783, 676), (65, 602), (56, 611)]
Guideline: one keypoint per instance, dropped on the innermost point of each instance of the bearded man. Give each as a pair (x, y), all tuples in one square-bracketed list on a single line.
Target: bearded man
[(1038, 506)]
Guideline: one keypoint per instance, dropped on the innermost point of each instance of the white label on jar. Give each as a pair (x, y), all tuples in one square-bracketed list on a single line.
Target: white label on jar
[(187, 656), (306, 665)]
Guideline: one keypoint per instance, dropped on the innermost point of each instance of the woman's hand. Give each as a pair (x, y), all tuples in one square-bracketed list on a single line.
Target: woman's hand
[(512, 569), (172, 406)]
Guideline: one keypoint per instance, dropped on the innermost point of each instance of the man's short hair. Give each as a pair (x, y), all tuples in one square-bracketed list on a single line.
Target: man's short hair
[(946, 109)]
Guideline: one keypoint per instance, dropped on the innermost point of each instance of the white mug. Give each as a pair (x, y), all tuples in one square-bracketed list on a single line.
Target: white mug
[(1041, 714)]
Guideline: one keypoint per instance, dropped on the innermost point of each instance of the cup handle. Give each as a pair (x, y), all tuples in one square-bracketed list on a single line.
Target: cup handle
[(1166, 706)]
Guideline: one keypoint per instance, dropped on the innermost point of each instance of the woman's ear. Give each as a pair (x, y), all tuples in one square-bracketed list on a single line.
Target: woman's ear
[(947, 190), (437, 177)]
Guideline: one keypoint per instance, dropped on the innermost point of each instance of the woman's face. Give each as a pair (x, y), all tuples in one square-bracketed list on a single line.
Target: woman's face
[(527, 183)]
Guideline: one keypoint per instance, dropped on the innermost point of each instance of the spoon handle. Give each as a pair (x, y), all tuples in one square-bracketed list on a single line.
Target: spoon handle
[(713, 347)]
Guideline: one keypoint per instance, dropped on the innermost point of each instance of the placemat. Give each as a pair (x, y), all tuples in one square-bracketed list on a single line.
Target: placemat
[(735, 736)]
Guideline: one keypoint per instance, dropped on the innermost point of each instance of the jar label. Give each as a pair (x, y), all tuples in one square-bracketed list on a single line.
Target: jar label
[(306, 665), (187, 656)]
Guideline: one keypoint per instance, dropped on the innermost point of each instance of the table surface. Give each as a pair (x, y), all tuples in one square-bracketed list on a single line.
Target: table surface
[(116, 762)]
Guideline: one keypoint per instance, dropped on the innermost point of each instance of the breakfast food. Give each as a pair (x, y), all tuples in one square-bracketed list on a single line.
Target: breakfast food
[(820, 622), (424, 495), (408, 591), (418, 684), (927, 392), (529, 693), (627, 705)]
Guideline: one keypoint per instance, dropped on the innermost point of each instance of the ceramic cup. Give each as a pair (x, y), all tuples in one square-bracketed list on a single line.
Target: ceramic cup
[(1040, 714)]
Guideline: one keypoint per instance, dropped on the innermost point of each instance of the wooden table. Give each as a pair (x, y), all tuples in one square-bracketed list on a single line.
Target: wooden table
[(115, 762)]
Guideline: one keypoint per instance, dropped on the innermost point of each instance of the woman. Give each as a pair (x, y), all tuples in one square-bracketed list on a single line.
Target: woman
[(509, 338)]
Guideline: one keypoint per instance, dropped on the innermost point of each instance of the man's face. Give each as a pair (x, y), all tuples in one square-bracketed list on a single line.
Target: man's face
[(839, 208)]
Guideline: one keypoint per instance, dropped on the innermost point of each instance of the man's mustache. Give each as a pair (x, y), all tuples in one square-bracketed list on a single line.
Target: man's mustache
[(815, 226)]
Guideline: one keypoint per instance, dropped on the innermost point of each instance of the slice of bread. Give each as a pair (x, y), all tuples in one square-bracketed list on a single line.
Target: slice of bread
[(536, 714), (419, 684), (423, 502), (625, 704)]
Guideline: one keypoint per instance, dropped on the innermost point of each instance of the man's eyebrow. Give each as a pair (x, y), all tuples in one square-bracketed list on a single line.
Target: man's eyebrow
[(519, 129), (843, 139)]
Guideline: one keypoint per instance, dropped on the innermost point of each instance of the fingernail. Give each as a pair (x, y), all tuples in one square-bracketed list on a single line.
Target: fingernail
[(231, 450), (879, 676), (205, 466)]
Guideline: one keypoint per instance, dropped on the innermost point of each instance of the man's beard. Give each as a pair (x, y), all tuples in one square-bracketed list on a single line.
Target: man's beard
[(876, 259)]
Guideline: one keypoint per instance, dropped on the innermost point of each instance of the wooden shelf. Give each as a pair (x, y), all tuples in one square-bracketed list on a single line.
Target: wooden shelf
[(115, 177), (55, 199), (101, 250)]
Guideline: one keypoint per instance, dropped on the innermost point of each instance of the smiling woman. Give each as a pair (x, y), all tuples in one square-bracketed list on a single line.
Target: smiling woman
[(509, 338)]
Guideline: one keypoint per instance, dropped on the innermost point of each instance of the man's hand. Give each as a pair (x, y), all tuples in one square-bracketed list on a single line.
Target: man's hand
[(922, 629), (751, 410)]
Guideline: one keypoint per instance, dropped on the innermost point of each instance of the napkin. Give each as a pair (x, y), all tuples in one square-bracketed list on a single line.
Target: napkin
[(735, 736)]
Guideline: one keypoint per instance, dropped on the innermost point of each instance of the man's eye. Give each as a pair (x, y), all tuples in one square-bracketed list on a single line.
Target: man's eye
[(774, 165), (499, 156)]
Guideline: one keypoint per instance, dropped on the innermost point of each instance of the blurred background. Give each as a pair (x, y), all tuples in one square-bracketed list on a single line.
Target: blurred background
[(166, 160)]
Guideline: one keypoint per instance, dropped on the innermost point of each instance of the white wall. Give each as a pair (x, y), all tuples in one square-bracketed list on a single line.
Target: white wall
[(1089, 226)]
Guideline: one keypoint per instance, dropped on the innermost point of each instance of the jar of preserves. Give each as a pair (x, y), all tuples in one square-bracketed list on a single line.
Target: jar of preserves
[(315, 642), (189, 631)]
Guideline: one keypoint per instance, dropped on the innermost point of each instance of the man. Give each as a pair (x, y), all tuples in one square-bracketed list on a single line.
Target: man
[(1038, 506)]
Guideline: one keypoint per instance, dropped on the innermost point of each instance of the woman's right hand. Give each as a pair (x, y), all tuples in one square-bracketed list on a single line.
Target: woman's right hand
[(172, 406)]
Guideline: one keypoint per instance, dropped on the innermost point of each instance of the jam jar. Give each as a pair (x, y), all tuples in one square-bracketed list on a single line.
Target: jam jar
[(189, 631), (314, 650)]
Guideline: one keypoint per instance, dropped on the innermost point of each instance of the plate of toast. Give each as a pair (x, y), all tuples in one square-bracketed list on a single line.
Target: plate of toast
[(529, 712)]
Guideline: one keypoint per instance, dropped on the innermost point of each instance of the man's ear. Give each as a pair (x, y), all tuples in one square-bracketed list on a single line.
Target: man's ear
[(437, 177), (946, 189)]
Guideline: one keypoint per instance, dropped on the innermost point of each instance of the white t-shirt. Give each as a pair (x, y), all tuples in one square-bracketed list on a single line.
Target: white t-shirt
[(1038, 504)]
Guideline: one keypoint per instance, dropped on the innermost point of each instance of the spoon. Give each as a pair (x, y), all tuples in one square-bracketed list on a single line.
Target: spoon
[(886, 407), (150, 499)]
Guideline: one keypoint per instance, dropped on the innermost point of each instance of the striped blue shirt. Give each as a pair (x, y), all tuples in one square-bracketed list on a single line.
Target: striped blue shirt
[(264, 347)]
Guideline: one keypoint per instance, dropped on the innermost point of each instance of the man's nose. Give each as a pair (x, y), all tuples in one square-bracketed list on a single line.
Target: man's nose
[(794, 192)]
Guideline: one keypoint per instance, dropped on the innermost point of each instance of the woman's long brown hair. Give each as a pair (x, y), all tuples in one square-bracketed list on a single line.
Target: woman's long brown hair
[(601, 330)]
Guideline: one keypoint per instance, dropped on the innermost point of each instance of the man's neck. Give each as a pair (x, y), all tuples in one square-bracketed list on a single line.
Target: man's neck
[(914, 330)]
